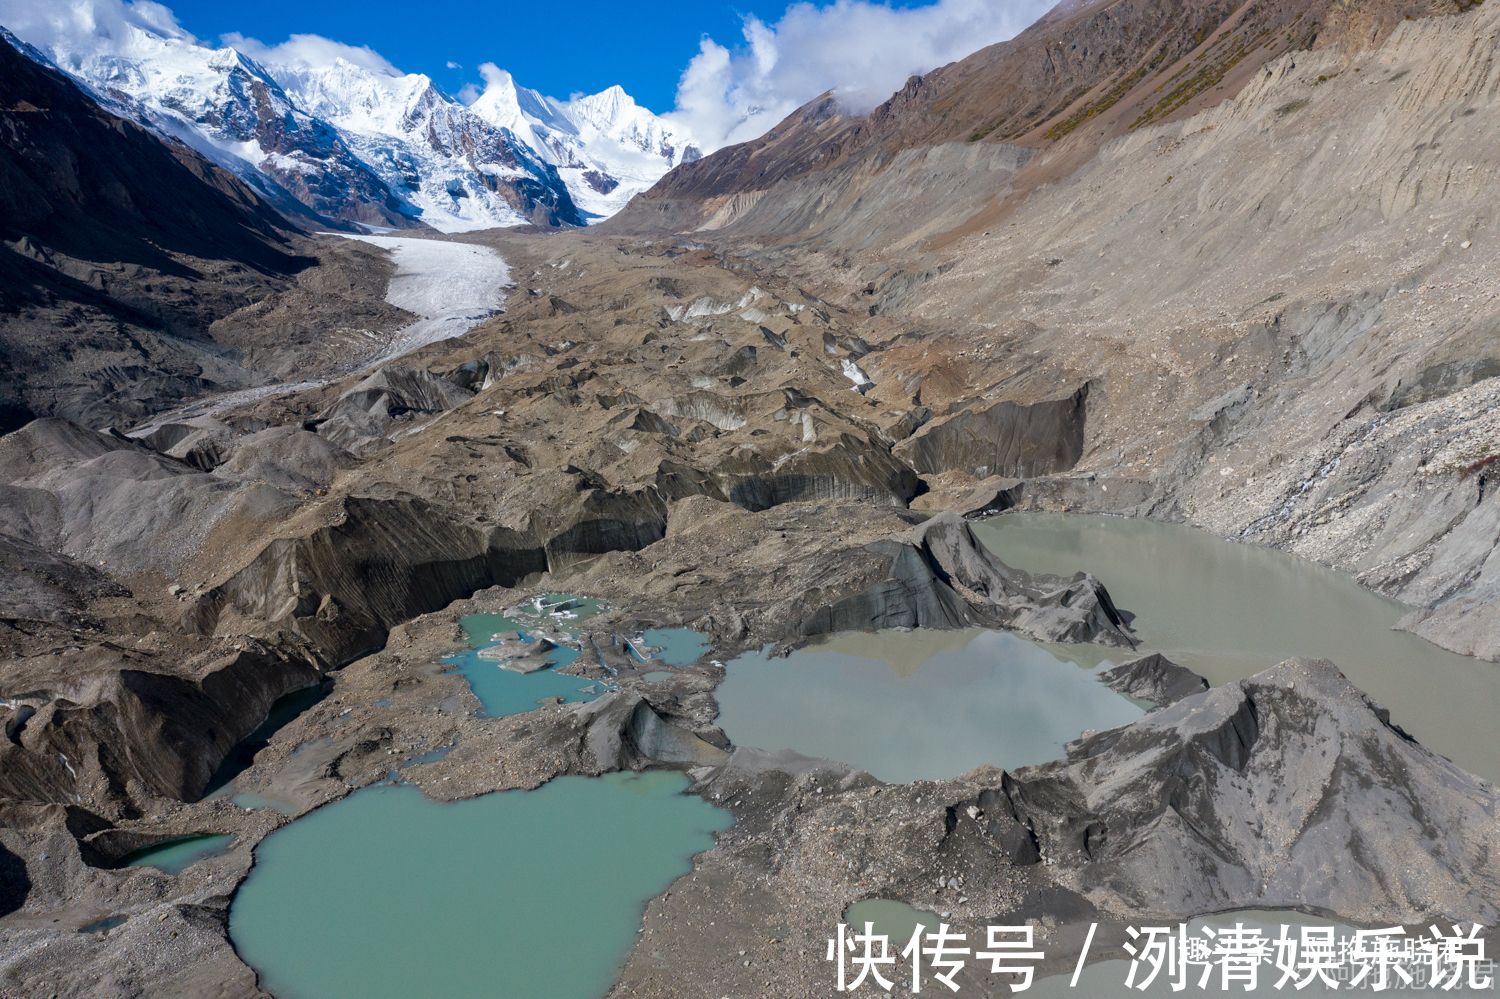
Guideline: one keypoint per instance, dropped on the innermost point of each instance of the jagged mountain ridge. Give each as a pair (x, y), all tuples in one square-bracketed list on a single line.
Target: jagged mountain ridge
[(362, 145)]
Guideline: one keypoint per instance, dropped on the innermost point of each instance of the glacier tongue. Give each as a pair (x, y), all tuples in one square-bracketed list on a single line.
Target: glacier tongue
[(452, 286), (378, 147)]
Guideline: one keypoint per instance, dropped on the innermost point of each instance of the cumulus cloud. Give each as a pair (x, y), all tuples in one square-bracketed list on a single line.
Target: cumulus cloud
[(71, 25), (72, 29), (454, 65), (864, 51), (492, 75), (310, 52)]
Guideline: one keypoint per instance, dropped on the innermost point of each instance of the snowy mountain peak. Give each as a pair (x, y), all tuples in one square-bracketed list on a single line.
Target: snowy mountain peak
[(356, 139), (506, 105), (604, 109), (613, 119)]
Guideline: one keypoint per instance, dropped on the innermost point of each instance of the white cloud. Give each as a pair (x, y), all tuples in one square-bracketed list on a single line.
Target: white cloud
[(865, 51), (310, 52), (72, 29), (454, 65), (68, 24)]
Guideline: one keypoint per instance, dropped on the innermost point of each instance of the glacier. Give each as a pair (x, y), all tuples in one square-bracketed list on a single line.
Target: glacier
[(373, 146)]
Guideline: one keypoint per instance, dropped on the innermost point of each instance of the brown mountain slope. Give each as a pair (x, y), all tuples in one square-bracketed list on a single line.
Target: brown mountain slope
[(121, 251), (1087, 72), (90, 185)]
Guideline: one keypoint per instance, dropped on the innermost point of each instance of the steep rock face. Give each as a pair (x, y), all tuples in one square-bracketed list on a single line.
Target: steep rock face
[(109, 733), (82, 182), (368, 144), (123, 249), (1289, 789), (1006, 439), (845, 468), (342, 587), (943, 577), (220, 100), (604, 146), (452, 167)]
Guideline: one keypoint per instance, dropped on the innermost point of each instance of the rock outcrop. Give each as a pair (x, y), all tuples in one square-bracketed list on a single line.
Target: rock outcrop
[(1154, 678), (110, 726), (1006, 439), (941, 576), (1290, 789)]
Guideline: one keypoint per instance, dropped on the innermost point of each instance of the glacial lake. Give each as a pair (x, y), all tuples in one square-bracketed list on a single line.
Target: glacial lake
[(933, 704), (916, 705), (506, 692), (538, 894), (1227, 610)]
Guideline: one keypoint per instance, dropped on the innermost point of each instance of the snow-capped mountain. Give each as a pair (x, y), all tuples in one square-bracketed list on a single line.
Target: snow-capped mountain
[(456, 169), (629, 142), (606, 148), (376, 146)]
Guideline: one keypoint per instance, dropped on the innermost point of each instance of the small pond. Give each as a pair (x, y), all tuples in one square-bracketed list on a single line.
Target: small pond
[(177, 855), (506, 692), (390, 895)]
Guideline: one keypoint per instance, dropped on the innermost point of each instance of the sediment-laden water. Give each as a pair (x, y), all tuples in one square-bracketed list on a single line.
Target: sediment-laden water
[(1229, 610), (917, 705), (523, 894)]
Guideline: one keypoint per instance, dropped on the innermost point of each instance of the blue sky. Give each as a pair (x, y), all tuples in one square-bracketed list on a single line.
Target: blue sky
[(722, 73), (584, 45)]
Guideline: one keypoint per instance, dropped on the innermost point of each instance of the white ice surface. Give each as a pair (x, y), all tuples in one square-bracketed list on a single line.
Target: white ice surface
[(452, 286)]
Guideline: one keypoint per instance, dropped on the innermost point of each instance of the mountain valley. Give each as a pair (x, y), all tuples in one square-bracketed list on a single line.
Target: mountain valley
[(1228, 265)]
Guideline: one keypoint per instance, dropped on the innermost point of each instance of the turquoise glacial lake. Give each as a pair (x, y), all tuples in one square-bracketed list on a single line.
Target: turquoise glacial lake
[(177, 855), (515, 895)]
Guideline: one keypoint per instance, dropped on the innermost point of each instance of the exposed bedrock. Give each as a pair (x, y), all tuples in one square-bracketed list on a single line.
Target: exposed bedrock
[(1007, 439), (104, 730), (1290, 789), (941, 576)]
